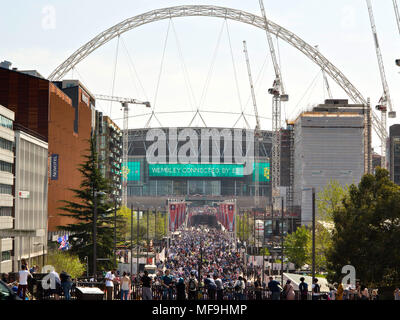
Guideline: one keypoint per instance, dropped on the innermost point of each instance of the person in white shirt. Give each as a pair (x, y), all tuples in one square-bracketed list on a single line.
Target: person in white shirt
[(23, 281), (110, 276), (55, 279)]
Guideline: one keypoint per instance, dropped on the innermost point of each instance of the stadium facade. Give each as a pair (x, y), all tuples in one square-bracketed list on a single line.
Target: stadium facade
[(210, 176)]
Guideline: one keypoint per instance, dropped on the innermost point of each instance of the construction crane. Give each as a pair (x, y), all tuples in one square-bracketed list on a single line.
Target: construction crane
[(396, 12), (328, 89), (125, 106), (257, 132), (384, 101), (278, 95)]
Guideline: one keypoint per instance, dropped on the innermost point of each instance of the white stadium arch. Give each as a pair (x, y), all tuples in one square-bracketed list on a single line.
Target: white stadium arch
[(219, 12)]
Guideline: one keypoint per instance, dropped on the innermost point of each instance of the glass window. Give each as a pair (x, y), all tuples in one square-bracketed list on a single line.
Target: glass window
[(6, 167), (4, 292), (5, 255), (5, 122), (196, 187), (5, 189), (180, 187), (5, 211), (6, 144)]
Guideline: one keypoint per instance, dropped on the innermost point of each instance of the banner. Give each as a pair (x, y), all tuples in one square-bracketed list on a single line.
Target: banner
[(54, 167), (231, 217), (172, 217)]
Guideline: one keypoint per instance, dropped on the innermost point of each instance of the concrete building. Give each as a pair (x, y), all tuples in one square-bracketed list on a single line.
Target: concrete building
[(109, 149), (394, 153), (330, 144), (31, 181), (6, 186), (61, 114)]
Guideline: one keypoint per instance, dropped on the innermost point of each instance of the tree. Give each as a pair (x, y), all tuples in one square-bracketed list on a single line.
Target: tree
[(125, 213), (65, 261), (367, 232), (82, 211), (296, 246), (245, 226), (329, 199)]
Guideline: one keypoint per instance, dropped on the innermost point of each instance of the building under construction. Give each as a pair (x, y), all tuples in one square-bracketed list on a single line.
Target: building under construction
[(332, 142)]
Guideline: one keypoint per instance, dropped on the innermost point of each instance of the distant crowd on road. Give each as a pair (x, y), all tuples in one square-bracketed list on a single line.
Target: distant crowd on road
[(200, 264)]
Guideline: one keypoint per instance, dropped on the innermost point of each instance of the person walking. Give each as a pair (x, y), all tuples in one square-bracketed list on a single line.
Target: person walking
[(211, 286), (289, 290), (303, 288), (257, 288), (23, 275), (146, 286), (110, 276), (396, 294), (273, 286), (166, 282), (55, 278), (220, 287), (239, 288), (339, 292), (316, 289), (181, 289), (192, 286), (66, 284), (125, 286)]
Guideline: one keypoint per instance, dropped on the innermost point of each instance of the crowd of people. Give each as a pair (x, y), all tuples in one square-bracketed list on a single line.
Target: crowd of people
[(200, 264)]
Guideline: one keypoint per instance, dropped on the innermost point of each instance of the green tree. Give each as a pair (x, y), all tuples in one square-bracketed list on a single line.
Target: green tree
[(65, 261), (329, 199), (367, 232), (153, 224), (296, 246), (82, 211), (245, 227)]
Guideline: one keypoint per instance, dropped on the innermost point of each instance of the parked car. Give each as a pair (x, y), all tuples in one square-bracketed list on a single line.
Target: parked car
[(6, 293)]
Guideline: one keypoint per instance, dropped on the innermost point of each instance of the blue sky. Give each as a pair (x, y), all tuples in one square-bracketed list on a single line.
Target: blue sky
[(341, 29)]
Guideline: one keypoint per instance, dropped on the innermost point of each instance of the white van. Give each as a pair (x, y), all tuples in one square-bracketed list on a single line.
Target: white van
[(151, 269)]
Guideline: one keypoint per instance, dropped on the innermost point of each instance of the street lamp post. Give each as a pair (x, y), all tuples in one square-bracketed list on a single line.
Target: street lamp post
[(96, 193), (313, 238), (131, 262), (115, 228), (282, 242)]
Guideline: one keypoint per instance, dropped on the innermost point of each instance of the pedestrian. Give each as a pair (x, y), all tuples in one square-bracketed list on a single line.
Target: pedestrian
[(66, 284), (125, 286), (275, 289), (396, 294), (303, 288), (339, 292), (375, 295), (257, 288), (55, 279), (192, 286), (110, 276), (211, 287), (363, 293), (23, 275), (181, 289), (239, 288), (220, 287), (167, 284), (289, 290), (316, 289), (333, 291), (146, 286)]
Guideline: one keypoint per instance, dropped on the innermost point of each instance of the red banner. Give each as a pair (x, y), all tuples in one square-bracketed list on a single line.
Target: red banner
[(172, 217)]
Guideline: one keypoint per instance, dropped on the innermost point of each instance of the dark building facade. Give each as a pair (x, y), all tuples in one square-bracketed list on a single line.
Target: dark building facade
[(61, 113), (394, 153), (152, 184), (109, 149)]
